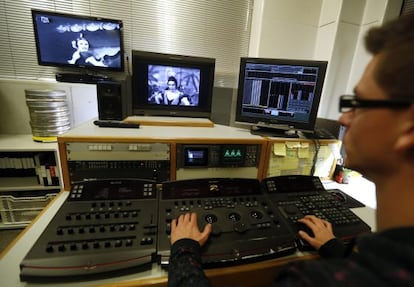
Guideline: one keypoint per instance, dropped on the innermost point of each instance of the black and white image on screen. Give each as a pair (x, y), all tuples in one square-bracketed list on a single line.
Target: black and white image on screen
[(75, 41), (169, 85)]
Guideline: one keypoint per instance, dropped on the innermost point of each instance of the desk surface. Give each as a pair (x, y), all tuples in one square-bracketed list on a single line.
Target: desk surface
[(161, 133), (358, 188)]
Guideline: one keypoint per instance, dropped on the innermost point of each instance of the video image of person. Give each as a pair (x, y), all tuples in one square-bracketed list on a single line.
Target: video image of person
[(79, 42), (176, 86)]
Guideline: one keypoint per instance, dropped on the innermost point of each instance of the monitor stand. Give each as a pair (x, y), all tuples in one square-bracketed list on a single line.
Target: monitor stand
[(270, 131)]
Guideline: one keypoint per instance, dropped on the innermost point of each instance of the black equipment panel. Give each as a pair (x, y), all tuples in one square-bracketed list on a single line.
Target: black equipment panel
[(103, 225), (245, 227), (298, 195)]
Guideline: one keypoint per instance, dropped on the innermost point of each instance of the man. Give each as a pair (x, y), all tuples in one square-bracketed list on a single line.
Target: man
[(379, 143)]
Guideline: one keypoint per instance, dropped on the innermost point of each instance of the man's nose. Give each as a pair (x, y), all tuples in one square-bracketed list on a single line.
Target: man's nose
[(345, 118)]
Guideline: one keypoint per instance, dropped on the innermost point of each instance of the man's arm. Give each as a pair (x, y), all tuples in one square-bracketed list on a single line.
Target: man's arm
[(185, 268)]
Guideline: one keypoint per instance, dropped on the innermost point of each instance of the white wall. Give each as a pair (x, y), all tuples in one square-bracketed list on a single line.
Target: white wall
[(331, 30)]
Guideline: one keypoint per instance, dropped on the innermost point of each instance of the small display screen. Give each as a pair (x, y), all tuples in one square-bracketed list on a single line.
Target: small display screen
[(232, 155), (196, 156)]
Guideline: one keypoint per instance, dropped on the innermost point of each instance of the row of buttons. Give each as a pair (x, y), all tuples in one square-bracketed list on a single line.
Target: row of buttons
[(96, 228), (86, 245), (102, 215)]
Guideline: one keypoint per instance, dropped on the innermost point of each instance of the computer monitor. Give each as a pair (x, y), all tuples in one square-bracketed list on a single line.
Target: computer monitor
[(68, 40), (279, 96), (172, 85)]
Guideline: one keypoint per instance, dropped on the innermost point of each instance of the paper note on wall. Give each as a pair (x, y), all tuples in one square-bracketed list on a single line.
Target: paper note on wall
[(293, 144), (279, 149), (298, 157), (303, 150)]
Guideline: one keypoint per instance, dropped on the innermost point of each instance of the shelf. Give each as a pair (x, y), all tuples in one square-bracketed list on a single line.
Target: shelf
[(23, 183), (13, 226), (24, 143)]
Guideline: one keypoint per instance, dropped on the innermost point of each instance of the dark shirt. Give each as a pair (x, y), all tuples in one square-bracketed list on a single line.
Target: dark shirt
[(185, 268), (381, 259)]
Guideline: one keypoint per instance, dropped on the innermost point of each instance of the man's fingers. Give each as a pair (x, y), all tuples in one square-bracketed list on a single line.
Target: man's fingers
[(193, 217), (173, 225)]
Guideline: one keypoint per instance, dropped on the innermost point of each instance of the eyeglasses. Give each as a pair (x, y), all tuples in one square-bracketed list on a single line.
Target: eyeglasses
[(348, 103)]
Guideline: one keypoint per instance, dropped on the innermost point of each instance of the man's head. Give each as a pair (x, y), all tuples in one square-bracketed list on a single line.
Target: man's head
[(379, 141), (394, 44)]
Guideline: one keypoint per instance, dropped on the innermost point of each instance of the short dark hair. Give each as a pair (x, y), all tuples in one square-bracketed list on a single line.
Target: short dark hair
[(172, 79), (393, 42)]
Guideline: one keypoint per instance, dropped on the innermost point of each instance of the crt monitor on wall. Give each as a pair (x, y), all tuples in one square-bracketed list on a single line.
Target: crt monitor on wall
[(172, 85), (279, 96), (67, 40)]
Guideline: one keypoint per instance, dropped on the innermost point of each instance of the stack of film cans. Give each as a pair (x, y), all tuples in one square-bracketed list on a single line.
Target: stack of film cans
[(49, 114)]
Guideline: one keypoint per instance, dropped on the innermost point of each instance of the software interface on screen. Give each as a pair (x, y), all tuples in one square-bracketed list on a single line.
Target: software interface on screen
[(282, 91)]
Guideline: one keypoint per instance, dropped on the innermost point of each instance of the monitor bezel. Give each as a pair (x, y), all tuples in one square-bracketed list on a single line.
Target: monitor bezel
[(275, 123), (140, 104), (40, 58)]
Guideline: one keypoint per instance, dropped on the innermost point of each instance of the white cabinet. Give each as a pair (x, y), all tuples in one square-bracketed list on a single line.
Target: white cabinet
[(30, 176)]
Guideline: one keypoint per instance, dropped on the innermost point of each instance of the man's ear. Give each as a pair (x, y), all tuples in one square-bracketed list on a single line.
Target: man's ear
[(405, 141)]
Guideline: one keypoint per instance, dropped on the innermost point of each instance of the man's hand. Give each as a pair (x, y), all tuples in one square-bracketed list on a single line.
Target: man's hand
[(186, 227), (322, 231)]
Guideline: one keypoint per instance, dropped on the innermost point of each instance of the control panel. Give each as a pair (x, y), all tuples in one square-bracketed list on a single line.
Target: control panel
[(96, 160), (102, 226), (244, 226), (215, 160)]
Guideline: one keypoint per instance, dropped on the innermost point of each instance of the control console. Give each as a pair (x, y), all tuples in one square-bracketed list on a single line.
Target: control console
[(102, 226), (244, 226), (298, 195)]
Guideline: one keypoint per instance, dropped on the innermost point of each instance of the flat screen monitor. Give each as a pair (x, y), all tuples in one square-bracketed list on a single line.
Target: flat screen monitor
[(279, 96), (172, 85), (67, 40)]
